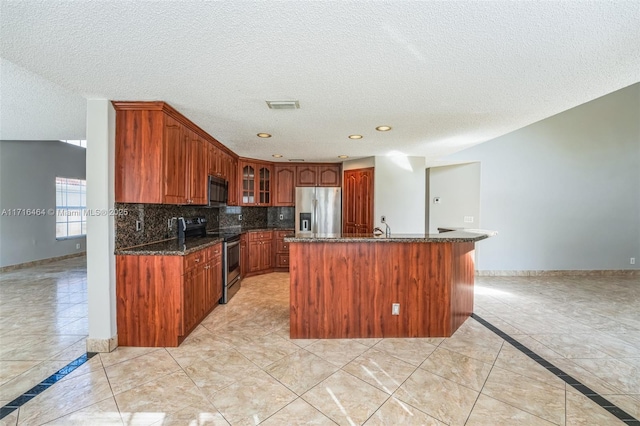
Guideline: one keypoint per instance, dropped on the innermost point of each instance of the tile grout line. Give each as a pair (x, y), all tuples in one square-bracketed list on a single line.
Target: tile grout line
[(18, 402), (568, 379)]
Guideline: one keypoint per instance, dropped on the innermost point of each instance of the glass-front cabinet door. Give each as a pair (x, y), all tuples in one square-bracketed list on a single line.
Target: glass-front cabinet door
[(264, 186), (248, 185)]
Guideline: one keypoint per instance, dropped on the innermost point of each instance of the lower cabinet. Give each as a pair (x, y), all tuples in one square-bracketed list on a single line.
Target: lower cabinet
[(264, 251), (282, 251), (161, 299), (260, 251)]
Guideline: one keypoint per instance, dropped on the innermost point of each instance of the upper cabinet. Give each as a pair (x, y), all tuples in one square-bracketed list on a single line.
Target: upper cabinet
[(256, 180), (318, 175), (284, 185), (163, 158)]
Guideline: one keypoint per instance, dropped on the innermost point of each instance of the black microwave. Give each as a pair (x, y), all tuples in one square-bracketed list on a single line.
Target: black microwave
[(218, 191)]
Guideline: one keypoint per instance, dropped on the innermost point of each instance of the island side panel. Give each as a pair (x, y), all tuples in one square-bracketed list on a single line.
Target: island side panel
[(462, 283), (345, 290)]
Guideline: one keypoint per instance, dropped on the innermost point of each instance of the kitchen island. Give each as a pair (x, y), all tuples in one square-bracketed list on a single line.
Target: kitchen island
[(346, 285)]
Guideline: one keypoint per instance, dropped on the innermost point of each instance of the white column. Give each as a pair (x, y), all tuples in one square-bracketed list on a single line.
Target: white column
[(101, 271)]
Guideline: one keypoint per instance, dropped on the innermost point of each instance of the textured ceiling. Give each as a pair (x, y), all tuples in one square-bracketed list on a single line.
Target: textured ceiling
[(445, 75)]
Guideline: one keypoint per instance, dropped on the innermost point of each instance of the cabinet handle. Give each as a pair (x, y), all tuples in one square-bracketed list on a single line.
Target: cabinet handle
[(197, 259), (207, 267)]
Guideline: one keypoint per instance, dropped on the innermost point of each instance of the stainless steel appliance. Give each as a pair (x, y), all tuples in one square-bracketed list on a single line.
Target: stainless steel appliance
[(231, 278), (191, 227), (218, 191), (319, 210)]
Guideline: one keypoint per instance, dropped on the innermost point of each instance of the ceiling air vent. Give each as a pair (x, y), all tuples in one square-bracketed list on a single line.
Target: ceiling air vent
[(297, 160), (283, 104)]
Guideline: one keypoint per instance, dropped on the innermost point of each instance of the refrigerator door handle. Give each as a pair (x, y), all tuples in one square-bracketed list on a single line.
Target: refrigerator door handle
[(314, 220)]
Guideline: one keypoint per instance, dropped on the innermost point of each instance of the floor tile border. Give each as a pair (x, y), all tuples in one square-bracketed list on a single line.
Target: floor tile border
[(44, 385), (622, 415)]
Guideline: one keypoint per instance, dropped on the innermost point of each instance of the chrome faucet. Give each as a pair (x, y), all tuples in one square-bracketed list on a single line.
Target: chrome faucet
[(387, 232)]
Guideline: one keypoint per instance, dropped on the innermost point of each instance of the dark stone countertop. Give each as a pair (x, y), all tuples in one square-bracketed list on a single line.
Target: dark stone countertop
[(458, 236), (171, 247)]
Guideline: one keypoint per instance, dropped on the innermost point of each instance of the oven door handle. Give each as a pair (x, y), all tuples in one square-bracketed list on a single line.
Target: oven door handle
[(233, 244)]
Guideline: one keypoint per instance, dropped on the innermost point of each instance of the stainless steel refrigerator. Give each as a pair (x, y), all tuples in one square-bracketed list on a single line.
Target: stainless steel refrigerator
[(319, 210)]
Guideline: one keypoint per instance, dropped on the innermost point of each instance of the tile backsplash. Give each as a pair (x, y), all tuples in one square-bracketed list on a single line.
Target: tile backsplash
[(154, 220)]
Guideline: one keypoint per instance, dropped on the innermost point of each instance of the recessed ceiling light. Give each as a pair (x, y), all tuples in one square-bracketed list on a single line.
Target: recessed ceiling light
[(283, 104), (343, 156), (277, 155), (355, 136), (263, 135), (383, 128)]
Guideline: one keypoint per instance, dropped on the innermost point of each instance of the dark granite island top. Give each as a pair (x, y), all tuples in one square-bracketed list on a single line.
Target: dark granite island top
[(413, 285), (454, 236)]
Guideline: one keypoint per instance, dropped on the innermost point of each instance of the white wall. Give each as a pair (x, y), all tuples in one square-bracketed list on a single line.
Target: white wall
[(399, 193), (564, 193), (360, 163), (27, 181), (458, 189)]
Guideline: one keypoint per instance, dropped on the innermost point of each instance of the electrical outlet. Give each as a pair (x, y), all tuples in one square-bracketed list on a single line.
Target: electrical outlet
[(138, 225), (632, 261), (77, 246), (468, 219), (281, 217), (395, 309), (239, 217), (383, 219)]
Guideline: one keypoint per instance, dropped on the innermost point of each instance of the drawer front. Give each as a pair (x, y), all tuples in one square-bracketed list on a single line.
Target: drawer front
[(281, 234), (194, 259), (260, 236), (282, 260), (282, 247), (214, 251)]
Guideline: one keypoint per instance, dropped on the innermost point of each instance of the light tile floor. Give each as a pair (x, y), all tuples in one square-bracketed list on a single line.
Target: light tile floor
[(239, 366)]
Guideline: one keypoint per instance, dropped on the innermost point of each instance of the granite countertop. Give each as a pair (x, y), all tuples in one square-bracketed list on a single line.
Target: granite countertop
[(457, 236), (171, 247)]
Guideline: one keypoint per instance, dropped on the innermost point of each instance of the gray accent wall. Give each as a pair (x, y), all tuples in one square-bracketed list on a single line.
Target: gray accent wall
[(27, 181), (457, 188), (564, 193)]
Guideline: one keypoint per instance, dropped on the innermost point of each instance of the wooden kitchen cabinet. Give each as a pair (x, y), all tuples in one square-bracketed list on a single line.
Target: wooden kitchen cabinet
[(284, 184), (318, 175), (255, 183), (357, 203), (329, 175), (282, 250), (198, 182), (161, 157), (233, 182), (260, 251), (161, 299)]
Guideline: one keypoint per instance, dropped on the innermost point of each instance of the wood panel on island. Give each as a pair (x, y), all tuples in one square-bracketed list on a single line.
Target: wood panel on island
[(349, 289), (161, 299), (357, 209)]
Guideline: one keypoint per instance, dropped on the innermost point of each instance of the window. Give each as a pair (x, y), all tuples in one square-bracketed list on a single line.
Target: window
[(82, 142), (71, 202)]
